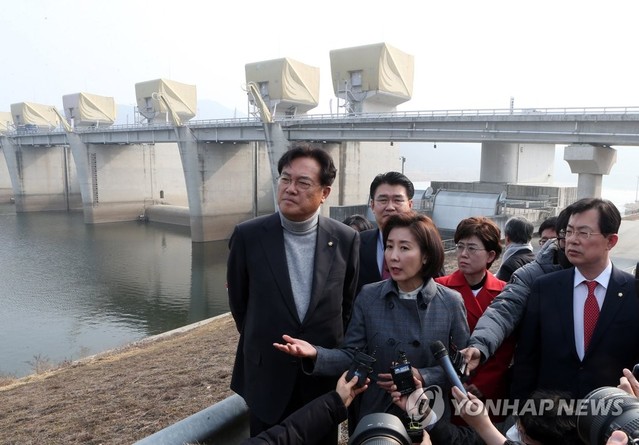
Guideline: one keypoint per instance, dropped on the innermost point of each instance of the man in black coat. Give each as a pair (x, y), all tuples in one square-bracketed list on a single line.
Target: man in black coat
[(309, 424), (292, 272)]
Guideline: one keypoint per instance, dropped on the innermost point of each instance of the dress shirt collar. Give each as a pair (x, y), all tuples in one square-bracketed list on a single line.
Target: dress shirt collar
[(602, 279)]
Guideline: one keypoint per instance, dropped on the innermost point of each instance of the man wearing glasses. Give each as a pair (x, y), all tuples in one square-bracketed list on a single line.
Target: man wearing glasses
[(581, 325), (390, 193), (547, 230), (292, 272)]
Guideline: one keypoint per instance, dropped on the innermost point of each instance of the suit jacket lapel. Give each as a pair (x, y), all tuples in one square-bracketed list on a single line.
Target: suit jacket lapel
[(616, 294), (565, 306), (324, 254), (273, 245), (368, 258)]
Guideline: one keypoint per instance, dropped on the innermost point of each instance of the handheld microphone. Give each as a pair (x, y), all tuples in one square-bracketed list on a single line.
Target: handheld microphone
[(441, 355)]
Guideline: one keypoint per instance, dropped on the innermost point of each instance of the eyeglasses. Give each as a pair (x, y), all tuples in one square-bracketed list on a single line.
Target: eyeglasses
[(470, 248), (561, 238), (582, 234), (383, 201), (302, 184)]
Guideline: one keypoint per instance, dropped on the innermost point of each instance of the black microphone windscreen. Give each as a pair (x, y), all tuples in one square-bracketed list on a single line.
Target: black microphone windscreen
[(438, 349)]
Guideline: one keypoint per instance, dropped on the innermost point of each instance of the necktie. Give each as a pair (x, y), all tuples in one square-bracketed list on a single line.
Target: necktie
[(385, 273), (591, 313)]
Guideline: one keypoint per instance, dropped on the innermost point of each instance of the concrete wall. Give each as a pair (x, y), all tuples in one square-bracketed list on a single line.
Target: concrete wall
[(42, 178), (222, 180), (6, 190), (124, 179)]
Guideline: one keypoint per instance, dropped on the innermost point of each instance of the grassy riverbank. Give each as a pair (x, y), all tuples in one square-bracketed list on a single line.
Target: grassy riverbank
[(125, 395)]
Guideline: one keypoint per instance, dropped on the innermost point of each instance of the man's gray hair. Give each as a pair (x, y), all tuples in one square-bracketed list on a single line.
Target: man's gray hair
[(519, 230)]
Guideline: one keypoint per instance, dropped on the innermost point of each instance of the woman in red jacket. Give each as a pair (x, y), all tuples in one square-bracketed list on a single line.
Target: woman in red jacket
[(478, 244)]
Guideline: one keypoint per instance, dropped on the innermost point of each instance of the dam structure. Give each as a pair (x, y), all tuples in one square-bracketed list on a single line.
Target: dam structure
[(212, 174)]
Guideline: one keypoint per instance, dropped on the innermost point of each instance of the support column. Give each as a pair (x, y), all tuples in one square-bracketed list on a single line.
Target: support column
[(80, 153), (6, 190), (515, 163), (227, 183), (42, 178), (590, 162)]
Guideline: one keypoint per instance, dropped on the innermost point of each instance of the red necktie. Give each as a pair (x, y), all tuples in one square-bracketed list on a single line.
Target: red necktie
[(385, 273), (591, 313)]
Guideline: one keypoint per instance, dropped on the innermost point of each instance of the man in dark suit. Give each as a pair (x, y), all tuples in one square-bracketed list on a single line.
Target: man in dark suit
[(390, 193), (292, 272), (581, 325)]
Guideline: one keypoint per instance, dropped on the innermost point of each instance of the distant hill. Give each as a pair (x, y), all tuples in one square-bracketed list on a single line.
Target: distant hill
[(206, 109), (209, 109)]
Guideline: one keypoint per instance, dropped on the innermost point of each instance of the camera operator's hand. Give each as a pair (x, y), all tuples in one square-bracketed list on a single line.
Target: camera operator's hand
[(473, 411), (472, 357), (347, 389), (629, 383), (297, 347), (617, 438)]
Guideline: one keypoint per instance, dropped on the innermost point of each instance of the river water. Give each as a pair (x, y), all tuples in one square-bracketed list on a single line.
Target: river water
[(70, 289)]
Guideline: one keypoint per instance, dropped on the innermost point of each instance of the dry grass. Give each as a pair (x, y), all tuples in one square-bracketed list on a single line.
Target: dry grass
[(122, 396)]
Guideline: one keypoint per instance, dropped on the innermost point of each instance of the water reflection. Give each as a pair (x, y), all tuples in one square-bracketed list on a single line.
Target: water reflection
[(72, 289)]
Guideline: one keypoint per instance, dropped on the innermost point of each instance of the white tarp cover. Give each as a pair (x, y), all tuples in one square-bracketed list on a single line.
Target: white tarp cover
[(28, 113), (288, 81), (89, 109), (180, 96), (384, 69), (6, 121)]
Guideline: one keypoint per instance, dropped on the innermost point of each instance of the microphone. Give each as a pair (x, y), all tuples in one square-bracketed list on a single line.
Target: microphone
[(441, 355)]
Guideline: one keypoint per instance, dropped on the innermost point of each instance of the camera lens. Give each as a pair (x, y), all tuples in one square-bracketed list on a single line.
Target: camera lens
[(380, 429), (605, 410)]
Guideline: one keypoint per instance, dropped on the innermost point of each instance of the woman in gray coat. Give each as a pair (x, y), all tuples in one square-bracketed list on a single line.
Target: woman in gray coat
[(401, 315)]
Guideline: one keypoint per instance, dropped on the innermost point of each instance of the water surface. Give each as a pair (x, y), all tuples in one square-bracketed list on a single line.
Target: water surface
[(71, 289)]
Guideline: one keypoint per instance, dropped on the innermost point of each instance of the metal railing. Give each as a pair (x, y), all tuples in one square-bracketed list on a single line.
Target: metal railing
[(419, 114), (222, 423), (479, 112)]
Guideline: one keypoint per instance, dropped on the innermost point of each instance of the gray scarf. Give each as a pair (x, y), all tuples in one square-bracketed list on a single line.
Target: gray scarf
[(513, 248)]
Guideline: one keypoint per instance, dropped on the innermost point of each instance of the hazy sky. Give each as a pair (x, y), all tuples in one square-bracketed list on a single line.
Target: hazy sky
[(468, 54)]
